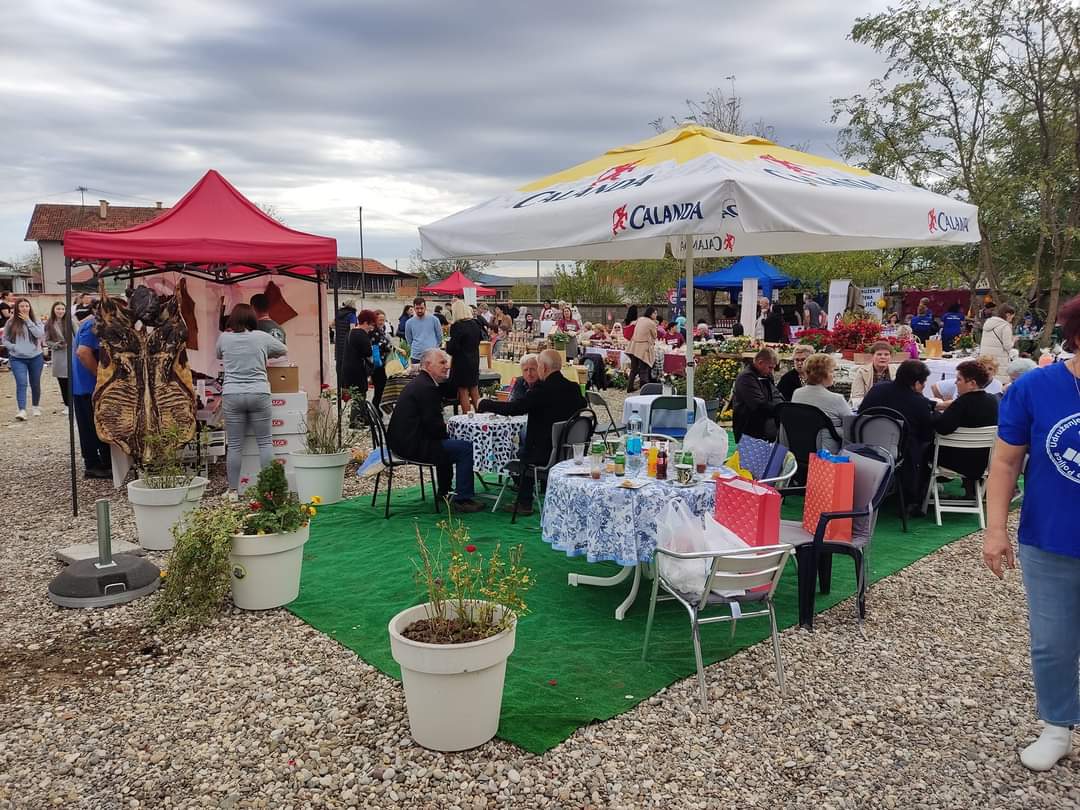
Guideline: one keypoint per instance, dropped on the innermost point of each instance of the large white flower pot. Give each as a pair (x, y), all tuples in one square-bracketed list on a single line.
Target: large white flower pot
[(266, 568), (321, 474), (453, 692), (158, 510)]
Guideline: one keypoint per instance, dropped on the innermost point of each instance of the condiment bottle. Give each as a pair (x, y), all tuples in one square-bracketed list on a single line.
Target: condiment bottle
[(661, 465)]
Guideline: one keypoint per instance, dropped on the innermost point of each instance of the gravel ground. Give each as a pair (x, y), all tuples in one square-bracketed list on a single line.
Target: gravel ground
[(260, 710)]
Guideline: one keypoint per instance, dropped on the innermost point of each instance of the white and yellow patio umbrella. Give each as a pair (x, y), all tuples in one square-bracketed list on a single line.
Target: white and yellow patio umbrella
[(700, 192)]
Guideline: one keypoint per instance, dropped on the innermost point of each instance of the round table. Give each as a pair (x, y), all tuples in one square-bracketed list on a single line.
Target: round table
[(601, 520), (494, 438)]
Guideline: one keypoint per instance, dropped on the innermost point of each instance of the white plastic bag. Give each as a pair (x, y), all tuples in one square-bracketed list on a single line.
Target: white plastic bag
[(719, 537), (678, 529), (707, 438)]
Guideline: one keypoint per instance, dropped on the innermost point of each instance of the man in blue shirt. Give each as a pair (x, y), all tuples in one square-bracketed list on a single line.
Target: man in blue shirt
[(923, 324), (952, 324), (422, 331), (96, 454)]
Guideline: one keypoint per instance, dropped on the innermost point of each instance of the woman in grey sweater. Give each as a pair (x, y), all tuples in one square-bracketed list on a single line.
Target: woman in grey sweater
[(56, 331), (22, 339), (819, 370), (245, 395)]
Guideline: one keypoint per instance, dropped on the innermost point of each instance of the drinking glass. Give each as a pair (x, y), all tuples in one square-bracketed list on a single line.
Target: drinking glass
[(579, 454)]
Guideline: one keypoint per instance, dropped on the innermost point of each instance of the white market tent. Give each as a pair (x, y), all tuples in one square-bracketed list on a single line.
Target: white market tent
[(699, 192)]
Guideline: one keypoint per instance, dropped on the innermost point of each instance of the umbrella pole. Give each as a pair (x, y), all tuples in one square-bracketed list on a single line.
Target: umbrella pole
[(688, 261)]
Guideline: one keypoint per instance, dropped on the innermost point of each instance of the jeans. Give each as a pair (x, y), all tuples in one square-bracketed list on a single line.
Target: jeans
[(27, 369), (96, 454), (460, 453), (244, 411), (1052, 582)]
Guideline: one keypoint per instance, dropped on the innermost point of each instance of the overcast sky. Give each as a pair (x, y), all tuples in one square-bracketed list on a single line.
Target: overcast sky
[(412, 110)]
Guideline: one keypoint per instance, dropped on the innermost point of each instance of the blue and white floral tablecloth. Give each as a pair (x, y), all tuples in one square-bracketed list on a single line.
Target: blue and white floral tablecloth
[(495, 438), (600, 520)]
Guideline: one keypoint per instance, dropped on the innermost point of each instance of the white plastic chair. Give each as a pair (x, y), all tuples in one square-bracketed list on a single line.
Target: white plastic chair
[(738, 570), (979, 438)]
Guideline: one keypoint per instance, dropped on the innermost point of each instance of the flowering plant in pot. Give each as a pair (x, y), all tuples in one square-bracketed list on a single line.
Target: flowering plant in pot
[(855, 333), (452, 649), (320, 467), (267, 553), (165, 490)]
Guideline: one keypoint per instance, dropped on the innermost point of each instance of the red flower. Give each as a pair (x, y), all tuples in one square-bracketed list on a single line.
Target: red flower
[(255, 506), (470, 548), (552, 682), (325, 386), (345, 397)]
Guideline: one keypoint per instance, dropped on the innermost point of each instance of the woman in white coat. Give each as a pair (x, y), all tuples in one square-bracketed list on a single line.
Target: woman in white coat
[(997, 338)]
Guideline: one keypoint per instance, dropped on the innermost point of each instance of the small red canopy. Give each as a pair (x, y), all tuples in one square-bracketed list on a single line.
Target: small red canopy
[(214, 224), (454, 283)]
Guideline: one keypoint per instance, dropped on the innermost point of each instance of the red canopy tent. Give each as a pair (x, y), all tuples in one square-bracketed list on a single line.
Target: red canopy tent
[(455, 283), (214, 233)]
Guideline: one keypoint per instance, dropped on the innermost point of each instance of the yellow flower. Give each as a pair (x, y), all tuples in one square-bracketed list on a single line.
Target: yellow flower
[(164, 572), (260, 532), (316, 499)]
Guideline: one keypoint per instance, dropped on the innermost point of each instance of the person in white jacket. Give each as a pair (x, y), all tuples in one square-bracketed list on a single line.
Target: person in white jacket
[(997, 338)]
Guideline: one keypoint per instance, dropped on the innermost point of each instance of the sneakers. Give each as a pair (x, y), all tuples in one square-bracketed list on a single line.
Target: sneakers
[(21, 415), (37, 411), (1054, 743), (467, 506)]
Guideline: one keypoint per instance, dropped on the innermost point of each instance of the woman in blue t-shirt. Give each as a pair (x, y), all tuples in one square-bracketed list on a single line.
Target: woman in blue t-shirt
[(1040, 418)]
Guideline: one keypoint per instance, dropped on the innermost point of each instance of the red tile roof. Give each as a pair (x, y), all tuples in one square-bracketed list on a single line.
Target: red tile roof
[(49, 221), (351, 264)]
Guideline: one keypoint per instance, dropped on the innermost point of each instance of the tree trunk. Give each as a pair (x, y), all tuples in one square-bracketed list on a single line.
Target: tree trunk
[(712, 307)]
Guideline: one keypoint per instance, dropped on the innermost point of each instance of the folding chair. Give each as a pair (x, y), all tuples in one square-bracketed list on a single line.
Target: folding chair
[(597, 401), (668, 404), (801, 426), (578, 429), (391, 462), (881, 426), (729, 571), (976, 438)]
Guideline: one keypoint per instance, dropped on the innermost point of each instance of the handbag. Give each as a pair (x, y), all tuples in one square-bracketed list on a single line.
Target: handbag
[(749, 509), (830, 487), (763, 459), (376, 356)]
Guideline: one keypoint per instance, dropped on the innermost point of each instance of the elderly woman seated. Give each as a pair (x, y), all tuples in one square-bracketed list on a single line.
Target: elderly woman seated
[(819, 370), (796, 377), (879, 370), (946, 390), (1019, 367), (528, 378)]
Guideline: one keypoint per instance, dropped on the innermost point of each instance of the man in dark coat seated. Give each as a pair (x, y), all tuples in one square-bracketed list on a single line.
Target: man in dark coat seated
[(417, 431), (553, 399), (754, 399), (904, 393)]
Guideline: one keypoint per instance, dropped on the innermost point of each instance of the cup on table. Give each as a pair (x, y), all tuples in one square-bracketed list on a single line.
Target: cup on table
[(684, 473), (701, 461), (596, 466), (579, 454)]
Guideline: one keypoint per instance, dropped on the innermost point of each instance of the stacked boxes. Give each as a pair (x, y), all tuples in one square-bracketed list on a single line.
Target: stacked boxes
[(287, 413)]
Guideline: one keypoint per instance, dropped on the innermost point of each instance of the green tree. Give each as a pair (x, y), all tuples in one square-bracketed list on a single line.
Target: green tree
[(523, 291), (586, 282)]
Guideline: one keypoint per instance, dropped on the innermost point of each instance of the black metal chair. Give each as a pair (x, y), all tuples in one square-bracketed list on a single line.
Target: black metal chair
[(649, 389), (391, 462), (669, 404), (813, 553), (881, 426), (802, 426), (578, 429), (597, 401)]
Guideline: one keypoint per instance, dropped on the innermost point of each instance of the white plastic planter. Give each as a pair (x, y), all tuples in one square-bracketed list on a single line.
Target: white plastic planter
[(321, 474), (158, 510), (266, 568), (453, 692)]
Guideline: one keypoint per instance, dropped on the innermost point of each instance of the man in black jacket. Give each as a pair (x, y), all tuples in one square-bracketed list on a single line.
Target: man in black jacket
[(905, 395), (754, 399), (553, 399), (417, 431)]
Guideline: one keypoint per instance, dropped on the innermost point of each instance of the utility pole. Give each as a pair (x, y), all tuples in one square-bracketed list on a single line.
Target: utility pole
[(363, 281), (82, 195), (538, 280)]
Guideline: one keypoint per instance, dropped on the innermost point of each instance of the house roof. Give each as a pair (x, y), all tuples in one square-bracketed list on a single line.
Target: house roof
[(49, 221), (351, 264)]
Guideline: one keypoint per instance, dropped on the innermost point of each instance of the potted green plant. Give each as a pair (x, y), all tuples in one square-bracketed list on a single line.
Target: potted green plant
[(267, 553), (453, 648), (319, 468), (197, 571), (165, 490)]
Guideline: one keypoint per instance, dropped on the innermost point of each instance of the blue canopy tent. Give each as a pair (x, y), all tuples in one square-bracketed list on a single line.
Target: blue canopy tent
[(731, 278)]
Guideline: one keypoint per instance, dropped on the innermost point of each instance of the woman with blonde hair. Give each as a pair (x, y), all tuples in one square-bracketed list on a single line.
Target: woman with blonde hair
[(464, 347), (818, 370)]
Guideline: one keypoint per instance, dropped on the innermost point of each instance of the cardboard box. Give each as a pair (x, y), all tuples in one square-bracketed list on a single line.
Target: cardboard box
[(284, 443), (283, 379), (297, 401)]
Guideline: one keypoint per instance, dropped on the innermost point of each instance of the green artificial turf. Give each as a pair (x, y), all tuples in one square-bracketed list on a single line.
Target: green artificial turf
[(573, 663)]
